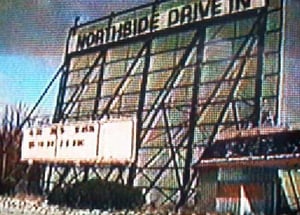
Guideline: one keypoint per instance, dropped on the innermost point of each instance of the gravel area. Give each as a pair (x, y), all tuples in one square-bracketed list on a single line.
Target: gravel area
[(36, 206), (30, 206)]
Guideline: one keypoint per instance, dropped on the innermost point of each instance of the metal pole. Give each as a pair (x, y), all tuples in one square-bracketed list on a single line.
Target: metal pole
[(139, 122), (260, 64), (192, 120)]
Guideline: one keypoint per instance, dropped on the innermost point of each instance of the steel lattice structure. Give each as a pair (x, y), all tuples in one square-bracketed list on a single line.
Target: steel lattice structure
[(184, 85)]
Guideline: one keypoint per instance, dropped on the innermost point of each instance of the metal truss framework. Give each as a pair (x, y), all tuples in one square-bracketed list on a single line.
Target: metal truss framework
[(184, 86)]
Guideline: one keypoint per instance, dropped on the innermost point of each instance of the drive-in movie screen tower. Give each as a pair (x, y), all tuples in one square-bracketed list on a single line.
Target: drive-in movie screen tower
[(193, 102)]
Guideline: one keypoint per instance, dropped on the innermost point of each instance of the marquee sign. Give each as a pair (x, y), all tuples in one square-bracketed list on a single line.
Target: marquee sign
[(115, 28), (97, 142)]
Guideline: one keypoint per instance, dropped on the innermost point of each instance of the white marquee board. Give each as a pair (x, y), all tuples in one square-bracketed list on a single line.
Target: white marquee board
[(109, 141), (38, 144), (78, 142), (117, 140)]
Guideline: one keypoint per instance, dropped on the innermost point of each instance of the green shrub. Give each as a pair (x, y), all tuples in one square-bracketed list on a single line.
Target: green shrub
[(98, 194), (6, 187), (57, 196)]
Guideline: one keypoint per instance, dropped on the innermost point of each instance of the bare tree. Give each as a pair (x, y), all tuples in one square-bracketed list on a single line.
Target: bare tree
[(11, 170)]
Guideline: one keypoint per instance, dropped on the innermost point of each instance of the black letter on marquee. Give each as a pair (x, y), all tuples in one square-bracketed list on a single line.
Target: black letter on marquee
[(204, 11), (81, 42), (154, 22), (91, 39), (99, 36), (127, 28), (186, 12), (135, 21), (231, 6), (173, 19), (195, 11), (244, 3), (215, 9), (116, 34), (143, 24)]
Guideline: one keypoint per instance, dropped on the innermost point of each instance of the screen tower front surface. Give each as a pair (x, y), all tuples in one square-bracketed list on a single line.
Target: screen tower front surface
[(183, 79), (290, 79)]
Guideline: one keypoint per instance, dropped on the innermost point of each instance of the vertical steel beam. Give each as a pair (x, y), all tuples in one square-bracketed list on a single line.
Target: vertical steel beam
[(86, 170), (215, 90), (62, 176), (281, 51), (192, 118), (261, 29), (232, 91), (235, 115), (48, 179), (163, 94), (100, 80), (173, 151), (139, 122), (99, 86), (81, 86), (228, 69), (119, 87)]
